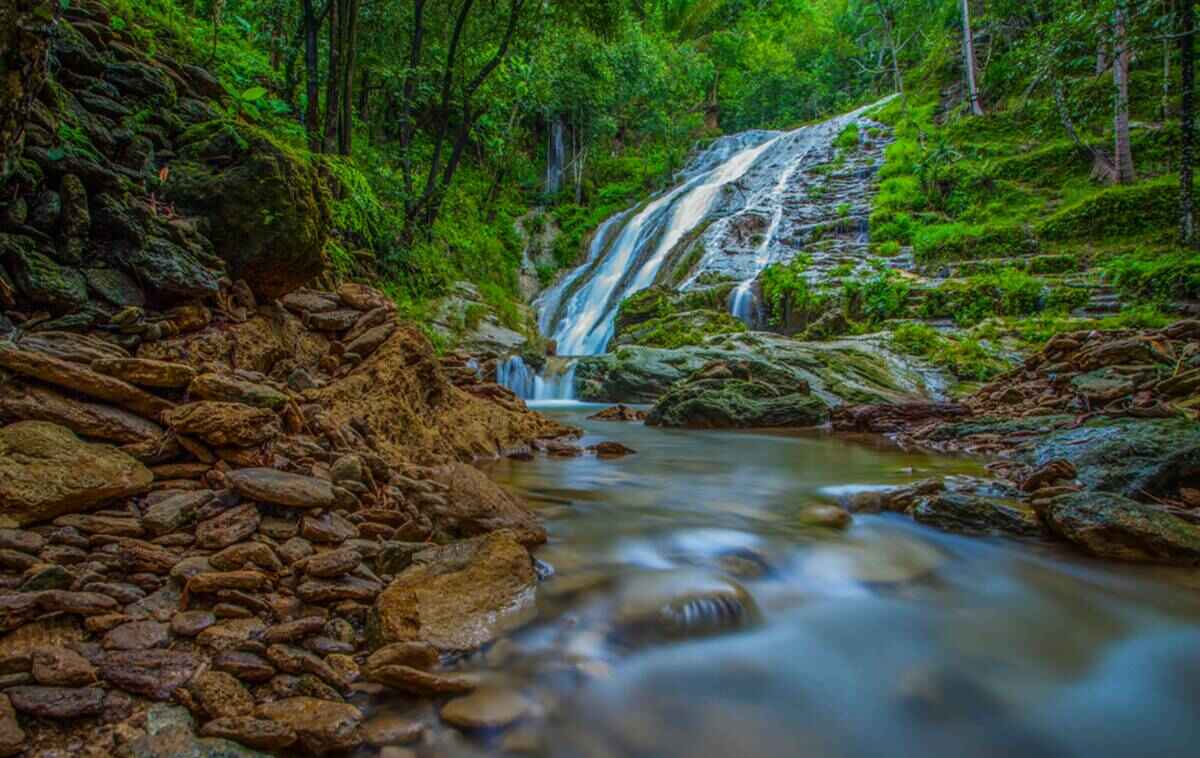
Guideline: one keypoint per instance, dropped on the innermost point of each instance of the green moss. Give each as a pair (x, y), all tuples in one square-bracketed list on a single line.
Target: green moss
[(1155, 274), (1009, 292), (959, 241), (1147, 209), (965, 357), (849, 138)]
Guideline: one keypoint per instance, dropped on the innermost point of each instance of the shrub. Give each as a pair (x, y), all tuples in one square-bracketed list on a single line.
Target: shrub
[(1155, 275), (878, 298), (965, 357), (1009, 292)]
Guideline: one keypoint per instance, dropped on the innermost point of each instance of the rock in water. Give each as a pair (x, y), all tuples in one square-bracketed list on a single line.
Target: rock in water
[(486, 709), (673, 605), (322, 726), (460, 596), (1111, 526), (46, 471), (970, 514)]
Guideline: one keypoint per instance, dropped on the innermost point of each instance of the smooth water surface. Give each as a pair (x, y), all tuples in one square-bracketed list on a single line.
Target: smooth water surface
[(887, 639)]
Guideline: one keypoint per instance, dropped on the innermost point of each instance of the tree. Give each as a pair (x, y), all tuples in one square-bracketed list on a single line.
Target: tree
[(1121, 59), (1187, 122), (26, 27), (969, 63), (890, 36), (311, 24)]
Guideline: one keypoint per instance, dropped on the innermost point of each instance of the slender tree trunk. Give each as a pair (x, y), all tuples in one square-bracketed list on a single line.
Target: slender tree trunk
[(1187, 121), (969, 60), (1165, 107), (333, 79), (312, 79), (1124, 149), (349, 22), (891, 42), (1102, 165), (415, 52), (26, 28)]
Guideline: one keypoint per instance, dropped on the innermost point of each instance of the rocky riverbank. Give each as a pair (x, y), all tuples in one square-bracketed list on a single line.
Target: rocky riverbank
[(1096, 441)]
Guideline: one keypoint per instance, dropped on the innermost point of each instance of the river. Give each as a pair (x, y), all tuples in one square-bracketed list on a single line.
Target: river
[(885, 639)]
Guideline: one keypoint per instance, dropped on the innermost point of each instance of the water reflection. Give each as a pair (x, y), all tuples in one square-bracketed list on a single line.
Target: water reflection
[(887, 639)]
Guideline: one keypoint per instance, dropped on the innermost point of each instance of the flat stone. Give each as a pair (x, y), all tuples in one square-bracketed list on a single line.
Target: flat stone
[(221, 695), (390, 728), (154, 674), (226, 388), (312, 302), (191, 623), (246, 553), (321, 726), (224, 424), (74, 377), (175, 512), (146, 372), (282, 488), (99, 421), (329, 591), (290, 631), (260, 734), (970, 514), (137, 635), (328, 528), (81, 603), (62, 667), (422, 683), (1110, 526), (12, 737), (369, 341), (418, 655), (486, 708), (234, 525), (21, 539), (332, 563), (248, 667), (333, 321), (46, 472), (57, 702), (459, 597), (227, 635)]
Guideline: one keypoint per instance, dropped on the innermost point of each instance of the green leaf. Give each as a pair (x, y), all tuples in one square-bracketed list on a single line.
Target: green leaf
[(56, 153), (254, 93), (64, 4)]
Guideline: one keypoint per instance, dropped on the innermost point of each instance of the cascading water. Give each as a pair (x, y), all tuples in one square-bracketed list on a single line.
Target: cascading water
[(750, 174), (556, 156)]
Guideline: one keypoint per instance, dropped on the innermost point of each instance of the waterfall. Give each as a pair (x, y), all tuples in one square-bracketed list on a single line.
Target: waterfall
[(556, 156), (758, 176)]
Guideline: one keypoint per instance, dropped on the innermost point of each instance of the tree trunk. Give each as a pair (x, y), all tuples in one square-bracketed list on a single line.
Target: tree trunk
[(891, 42), (1124, 149), (969, 60), (312, 79), (333, 80), (1102, 165), (348, 18), (26, 27), (1187, 121)]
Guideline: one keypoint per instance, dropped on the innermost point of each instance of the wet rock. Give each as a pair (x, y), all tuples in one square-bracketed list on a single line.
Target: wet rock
[(345, 588), (1111, 526), (282, 488), (487, 708), (610, 449), (224, 424), (827, 516), (12, 737), (46, 471), (57, 702), (154, 674), (332, 563), (683, 604), (970, 514), (40, 279), (260, 734), (328, 528), (476, 505), (619, 412), (738, 401), (82, 603), (459, 597), (321, 726), (221, 695), (146, 372), (61, 667), (137, 635), (226, 388), (295, 549), (390, 728), (115, 286), (234, 525), (422, 683), (290, 631)]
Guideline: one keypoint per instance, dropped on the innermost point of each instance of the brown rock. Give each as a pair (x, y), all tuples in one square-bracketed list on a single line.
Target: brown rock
[(391, 728), (221, 695), (330, 591), (332, 563), (459, 597), (422, 683), (95, 420), (146, 372), (295, 549), (419, 655), (23, 540), (74, 377), (260, 734), (329, 527), (82, 603), (370, 320), (154, 674), (236, 556), (231, 634), (303, 301), (321, 726), (486, 708), (46, 471), (476, 505), (227, 580), (234, 525), (610, 449), (224, 424), (370, 340), (57, 702), (12, 737), (62, 667), (363, 298), (248, 667), (282, 488), (618, 412), (176, 511), (226, 388), (191, 623), (333, 321), (137, 635)]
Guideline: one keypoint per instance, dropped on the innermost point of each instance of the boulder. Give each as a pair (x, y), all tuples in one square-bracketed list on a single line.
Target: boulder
[(970, 514), (458, 597), (46, 471), (475, 505), (721, 398), (268, 209), (95, 420), (40, 279), (1111, 526), (224, 424)]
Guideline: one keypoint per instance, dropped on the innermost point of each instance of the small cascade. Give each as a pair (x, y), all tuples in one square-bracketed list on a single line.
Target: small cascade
[(556, 381), (556, 156), (743, 304)]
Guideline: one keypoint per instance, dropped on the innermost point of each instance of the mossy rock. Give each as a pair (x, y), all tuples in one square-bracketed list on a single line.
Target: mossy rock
[(738, 402), (268, 210), (1111, 526), (39, 278), (1117, 212), (680, 329)]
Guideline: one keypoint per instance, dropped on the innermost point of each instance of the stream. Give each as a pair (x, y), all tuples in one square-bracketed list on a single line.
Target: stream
[(884, 639)]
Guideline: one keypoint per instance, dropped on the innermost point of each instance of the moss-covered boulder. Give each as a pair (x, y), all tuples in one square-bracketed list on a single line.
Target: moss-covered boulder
[(1110, 526), (732, 396), (266, 206), (680, 329), (39, 278)]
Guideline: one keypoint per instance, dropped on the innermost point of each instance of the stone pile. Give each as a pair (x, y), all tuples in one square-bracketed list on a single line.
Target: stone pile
[(180, 526)]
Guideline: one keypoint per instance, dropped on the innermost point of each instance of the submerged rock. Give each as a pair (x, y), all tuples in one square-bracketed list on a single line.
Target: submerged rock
[(971, 514), (486, 708), (1111, 526), (683, 604)]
